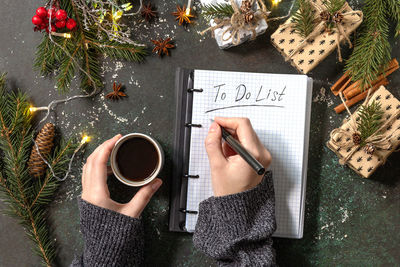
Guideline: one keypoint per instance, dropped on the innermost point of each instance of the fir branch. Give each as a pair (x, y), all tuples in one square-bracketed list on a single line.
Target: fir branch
[(121, 51), (212, 11), (52, 58), (333, 5), (26, 196), (303, 18), (372, 49), (370, 120), (393, 11)]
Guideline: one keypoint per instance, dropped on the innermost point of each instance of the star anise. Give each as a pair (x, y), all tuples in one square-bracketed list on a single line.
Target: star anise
[(116, 94), (182, 15), (148, 13), (162, 46)]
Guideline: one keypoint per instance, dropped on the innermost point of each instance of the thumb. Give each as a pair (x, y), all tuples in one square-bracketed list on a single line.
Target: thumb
[(142, 198), (214, 146)]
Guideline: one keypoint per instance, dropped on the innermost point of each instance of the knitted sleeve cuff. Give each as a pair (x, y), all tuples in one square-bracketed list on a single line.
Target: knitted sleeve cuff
[(227, 221), (110, 237)]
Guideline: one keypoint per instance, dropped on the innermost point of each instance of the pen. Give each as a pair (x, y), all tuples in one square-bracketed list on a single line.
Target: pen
[(238, 148)]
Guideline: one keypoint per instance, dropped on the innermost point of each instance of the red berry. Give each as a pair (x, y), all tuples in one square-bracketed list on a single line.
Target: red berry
[(37, 20), (61, 14), (71, 24), (53, 27), (60, 24), (51, 12), (42, 26), (41, 12)]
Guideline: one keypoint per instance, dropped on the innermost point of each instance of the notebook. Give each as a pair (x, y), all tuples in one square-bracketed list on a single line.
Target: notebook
[(278, 106)]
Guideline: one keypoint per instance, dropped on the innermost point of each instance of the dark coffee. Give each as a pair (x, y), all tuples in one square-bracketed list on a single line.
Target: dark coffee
[(137, 159)]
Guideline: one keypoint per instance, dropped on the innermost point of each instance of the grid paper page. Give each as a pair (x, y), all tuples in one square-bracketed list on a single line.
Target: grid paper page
[(276, 106)]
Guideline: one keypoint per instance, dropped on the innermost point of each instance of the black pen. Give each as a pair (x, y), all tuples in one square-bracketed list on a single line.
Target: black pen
[(238, 148)]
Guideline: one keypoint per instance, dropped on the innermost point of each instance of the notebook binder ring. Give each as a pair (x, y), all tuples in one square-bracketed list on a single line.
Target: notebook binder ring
[(191, 176), (193, 125), (199, 90), (188, 211)]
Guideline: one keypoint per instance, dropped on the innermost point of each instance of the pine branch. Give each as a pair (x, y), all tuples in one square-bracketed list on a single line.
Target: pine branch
[(370, 120), (116, 50), (26, 196), (393, 11), (303, 18), (212, 11), (333, 5), (51, 58), (372, 49)]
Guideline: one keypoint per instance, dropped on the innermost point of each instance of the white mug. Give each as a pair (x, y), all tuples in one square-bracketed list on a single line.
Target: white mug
[(114, 164)]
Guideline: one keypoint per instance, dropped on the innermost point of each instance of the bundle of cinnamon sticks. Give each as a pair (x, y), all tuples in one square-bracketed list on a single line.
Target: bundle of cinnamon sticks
[(352, 91)]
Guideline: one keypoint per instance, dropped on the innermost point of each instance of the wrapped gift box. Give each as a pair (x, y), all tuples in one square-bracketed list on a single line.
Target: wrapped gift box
[(361, 162), (243, 34), (286, 40)]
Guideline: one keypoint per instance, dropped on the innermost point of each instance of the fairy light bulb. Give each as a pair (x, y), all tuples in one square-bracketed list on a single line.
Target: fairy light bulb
[(85, 139), (33, 109), (276, 2)]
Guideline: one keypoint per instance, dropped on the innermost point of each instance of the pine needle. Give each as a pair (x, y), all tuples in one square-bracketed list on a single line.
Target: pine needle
[(26, 196), (334, 5), (370, 120), (212, 11), (303, 18), (372, 50), (50, 58)]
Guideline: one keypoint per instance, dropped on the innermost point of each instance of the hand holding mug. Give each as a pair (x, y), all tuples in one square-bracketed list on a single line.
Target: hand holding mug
[(95, 189)]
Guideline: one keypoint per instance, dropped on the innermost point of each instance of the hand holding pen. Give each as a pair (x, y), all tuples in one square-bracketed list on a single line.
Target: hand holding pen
[(230, 173)]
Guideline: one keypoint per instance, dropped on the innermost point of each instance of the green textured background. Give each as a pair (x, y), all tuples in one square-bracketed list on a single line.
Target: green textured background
[(349, 221)]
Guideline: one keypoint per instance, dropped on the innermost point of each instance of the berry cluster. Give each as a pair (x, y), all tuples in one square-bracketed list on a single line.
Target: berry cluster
[(59, 19)]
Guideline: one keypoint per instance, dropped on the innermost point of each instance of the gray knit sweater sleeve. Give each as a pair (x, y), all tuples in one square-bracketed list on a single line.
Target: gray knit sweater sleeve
[(111, 238), (236, 229)]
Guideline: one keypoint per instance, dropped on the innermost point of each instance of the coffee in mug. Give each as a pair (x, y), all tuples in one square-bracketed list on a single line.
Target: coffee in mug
[(136, 159)]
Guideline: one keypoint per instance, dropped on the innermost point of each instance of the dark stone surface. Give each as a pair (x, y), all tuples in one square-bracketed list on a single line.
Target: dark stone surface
[(348, 221)]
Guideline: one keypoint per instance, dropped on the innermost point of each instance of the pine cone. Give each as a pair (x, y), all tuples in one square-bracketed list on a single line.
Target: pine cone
[(245, 6), (325, 16), (337, 17), (44, 141), (249, 16), (356, 138), (369, 149)]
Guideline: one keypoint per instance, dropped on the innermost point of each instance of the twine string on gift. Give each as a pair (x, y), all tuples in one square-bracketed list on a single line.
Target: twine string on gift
[(238, 22), (323, 18), (375, 140)]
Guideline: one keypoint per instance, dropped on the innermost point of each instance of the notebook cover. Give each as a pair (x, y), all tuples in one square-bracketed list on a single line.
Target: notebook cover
[(181, 146)]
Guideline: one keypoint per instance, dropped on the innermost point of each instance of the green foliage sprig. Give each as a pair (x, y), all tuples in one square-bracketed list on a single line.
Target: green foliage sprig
[(333, 6), (212, 11), (370, 120), (26, 196), (372, 50), (303, 18), (85, 48)]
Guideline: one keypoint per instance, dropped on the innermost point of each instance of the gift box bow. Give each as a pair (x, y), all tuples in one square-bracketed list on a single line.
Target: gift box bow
[(243, 18), (325, 22)]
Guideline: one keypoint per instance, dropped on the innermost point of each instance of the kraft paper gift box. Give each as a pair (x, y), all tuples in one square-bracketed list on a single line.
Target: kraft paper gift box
[(360, 161), (223, 36), (306, 53)]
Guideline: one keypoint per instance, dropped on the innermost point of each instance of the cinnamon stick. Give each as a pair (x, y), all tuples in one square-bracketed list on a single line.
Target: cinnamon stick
[(361, 96), (355, 91), (340, 84)]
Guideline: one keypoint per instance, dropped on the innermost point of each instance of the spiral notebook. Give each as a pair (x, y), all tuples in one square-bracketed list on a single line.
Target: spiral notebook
[(279, 107)]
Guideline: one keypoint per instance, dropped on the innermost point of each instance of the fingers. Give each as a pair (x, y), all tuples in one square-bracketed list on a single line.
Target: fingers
[(213, 145), (228, 151), (135, 207), (102, 152), (243, 129)]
